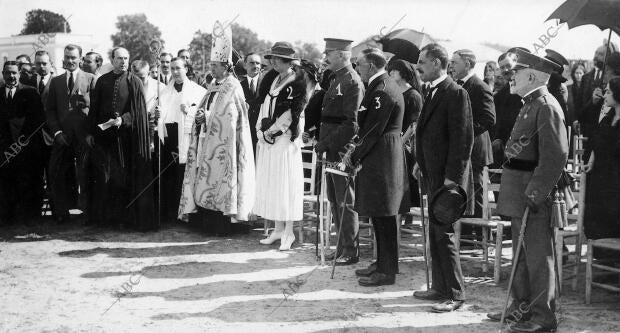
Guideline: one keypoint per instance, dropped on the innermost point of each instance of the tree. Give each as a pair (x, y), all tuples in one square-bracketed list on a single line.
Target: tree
[(308, 51), (244, 41), (43, 21), (135, 33)]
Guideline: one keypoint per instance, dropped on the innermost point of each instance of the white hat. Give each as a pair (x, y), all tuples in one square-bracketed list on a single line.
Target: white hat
[(221, 46)]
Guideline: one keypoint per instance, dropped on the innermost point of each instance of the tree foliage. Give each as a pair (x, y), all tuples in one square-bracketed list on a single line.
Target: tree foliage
[(44, 21), (308, 51), (135, 33)]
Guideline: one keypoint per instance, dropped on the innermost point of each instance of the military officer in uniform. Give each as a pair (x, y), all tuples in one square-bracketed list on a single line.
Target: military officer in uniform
[(381, 191), (535, 156), (338, 125)]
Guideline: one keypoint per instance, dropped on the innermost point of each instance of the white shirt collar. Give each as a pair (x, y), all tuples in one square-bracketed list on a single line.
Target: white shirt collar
[(75, 73), (467, 77), (379, 73), (438, 80), (531, 91)]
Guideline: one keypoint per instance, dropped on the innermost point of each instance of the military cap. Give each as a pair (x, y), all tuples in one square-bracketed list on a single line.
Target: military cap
[(524, 59), (335, 44), (556, 57)]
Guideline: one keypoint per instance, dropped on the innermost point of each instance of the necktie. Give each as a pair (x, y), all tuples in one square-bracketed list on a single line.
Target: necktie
[(460, 82), (252, 86), (429, 96), (71, 83), (9, 97), (41, 86), (165, 80)]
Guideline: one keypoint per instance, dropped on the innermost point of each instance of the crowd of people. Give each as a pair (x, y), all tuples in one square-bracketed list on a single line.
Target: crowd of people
[(142, 145)]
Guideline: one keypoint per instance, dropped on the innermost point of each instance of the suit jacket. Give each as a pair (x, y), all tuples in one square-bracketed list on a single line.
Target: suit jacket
[(252, 99), (382, 187), (47, 136), (483, 112), (20, 123), (444, 139), (61, 116)]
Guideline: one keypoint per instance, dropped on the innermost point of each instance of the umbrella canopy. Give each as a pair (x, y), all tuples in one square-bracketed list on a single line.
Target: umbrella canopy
[(605, 14), (403, 43)]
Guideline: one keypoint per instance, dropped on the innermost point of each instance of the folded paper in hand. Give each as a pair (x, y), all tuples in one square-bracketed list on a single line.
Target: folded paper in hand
[(107, 124)]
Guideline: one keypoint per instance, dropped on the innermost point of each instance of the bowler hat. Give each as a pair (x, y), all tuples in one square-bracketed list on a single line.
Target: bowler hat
[(282, 50), (448, 204)]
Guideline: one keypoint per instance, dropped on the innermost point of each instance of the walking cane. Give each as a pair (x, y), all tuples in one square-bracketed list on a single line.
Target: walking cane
[(515, 261), (425, 235), (321, 208), (344, 204), (155, 48), (318, 211)]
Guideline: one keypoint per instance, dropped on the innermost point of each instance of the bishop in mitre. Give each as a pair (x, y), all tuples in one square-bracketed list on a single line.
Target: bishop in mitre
[(219, 176)]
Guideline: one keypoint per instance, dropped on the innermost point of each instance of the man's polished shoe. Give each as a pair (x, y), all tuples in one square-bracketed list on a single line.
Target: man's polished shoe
[(347, 260), (497, 316), (365, 272), (529, 327), (377, 279), (429, 295), (447, 306)]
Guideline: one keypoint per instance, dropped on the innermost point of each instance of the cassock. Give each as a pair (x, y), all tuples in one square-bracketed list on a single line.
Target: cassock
[(121, 156), (174, 129), (219, 173)]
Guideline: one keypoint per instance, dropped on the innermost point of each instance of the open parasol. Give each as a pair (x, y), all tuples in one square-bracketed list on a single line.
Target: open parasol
[(604, 14)]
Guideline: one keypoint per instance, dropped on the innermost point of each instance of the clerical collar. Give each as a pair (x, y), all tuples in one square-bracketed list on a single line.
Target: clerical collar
[(438, 80), (379, 73)]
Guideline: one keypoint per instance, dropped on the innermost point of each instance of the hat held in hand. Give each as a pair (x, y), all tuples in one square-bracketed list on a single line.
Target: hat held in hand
[(448, 204)]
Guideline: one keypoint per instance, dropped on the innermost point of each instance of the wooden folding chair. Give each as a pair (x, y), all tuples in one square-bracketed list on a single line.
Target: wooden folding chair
[(492, 227), (611, 244), (573, 230)]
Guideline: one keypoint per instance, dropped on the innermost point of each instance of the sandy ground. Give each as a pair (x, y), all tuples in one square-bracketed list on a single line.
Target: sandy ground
[(177, 280)]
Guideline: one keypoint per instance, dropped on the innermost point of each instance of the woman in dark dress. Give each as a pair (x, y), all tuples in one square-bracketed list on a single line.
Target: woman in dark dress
[(408, 80), (602, 208)]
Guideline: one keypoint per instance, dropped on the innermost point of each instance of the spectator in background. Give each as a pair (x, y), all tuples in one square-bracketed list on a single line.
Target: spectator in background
[(91, 63), (489, 74), (250, 83), (592, 91), (602, 219), (575, 90), (312, 112), (557, 85), (25, 68), (408, 81), (507, 107), (165, 75)]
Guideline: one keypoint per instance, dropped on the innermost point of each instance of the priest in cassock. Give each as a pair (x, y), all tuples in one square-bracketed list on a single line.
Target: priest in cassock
[(121, 156), (179, 102), (219, 173)]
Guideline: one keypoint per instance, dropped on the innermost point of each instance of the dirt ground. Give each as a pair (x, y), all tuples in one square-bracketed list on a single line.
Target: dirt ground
[(73, 278)]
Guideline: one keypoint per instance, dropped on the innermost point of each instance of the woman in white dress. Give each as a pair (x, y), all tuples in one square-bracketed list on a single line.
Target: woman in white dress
[(279, 169)]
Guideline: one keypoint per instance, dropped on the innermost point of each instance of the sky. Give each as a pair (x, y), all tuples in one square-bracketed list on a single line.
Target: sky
[(511, 23)]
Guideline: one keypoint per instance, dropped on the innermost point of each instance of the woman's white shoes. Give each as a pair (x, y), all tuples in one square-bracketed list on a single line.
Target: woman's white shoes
[(274, 236), (286, 242)]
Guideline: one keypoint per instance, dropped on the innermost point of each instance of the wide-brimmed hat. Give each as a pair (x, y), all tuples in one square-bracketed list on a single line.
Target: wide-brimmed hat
[(448, 204), (282, 50)]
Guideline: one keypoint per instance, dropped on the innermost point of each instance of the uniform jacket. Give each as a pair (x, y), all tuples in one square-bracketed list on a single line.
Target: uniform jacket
[(483, 112), (538, 135), (58, 113), (382, 187), (339, 115), (444, 139)]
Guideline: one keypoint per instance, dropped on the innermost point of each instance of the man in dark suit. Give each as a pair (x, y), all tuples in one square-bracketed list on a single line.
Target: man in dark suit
[(587, 117), (444, 140), (483, 112), (381, 191), (165, 74), (21, 142), (67, 108), (250, 84), (507, 106)]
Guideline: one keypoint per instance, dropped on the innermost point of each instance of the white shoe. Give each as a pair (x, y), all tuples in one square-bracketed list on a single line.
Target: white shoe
[(274, 236), (287, 241)]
